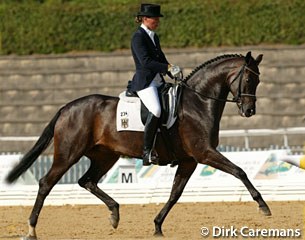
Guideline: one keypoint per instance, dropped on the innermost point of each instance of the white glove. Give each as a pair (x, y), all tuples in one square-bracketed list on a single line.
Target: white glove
[(174, 70)]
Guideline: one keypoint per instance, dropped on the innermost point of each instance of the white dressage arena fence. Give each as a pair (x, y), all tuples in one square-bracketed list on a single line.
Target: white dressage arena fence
[(275, 173)]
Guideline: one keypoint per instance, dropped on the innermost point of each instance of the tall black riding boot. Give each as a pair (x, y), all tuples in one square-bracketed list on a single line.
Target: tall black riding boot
[(150, 130)]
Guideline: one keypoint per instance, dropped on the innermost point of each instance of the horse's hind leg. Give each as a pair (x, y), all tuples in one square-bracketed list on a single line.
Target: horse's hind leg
[(98, 168), (59, 167), (217, 160), (183, 174)]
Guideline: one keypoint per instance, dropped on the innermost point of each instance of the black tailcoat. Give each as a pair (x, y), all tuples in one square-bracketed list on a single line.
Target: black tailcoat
[(149, 59)]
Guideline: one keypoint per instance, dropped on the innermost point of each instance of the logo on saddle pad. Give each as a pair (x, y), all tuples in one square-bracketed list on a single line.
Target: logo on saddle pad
[(129, 111), (124, 122)]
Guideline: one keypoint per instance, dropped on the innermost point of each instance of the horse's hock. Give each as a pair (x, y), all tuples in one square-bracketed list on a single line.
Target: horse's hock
[(34, 87)]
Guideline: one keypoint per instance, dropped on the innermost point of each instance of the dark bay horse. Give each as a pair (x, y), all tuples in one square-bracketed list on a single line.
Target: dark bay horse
[(87, 127)]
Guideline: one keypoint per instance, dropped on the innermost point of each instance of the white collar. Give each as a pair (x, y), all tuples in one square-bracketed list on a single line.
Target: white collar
[(150, 33)]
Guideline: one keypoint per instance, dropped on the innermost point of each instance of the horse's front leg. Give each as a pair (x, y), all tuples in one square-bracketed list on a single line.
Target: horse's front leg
[(215, 159), (183, 174)]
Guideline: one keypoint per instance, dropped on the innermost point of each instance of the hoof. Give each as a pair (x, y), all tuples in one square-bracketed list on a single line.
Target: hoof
[(265, 211), (28, 238), (158, 234), (114, 218), (114, 222)]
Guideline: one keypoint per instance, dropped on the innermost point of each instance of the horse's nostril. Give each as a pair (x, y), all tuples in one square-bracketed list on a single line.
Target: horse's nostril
[(251, 112)]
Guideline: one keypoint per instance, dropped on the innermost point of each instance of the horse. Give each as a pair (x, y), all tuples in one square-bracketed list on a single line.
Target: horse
[(86, 127)]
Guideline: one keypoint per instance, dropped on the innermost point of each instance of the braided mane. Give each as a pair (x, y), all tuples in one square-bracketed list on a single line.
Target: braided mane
[(210, 62)]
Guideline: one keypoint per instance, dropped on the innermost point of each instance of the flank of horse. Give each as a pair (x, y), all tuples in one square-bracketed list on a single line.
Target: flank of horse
[(87, 127)]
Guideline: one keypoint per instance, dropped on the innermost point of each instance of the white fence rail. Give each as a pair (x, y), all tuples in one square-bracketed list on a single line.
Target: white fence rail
[(245, 133)]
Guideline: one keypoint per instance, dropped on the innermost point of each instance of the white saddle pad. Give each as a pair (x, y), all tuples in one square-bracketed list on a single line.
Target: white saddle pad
[(128, 115)]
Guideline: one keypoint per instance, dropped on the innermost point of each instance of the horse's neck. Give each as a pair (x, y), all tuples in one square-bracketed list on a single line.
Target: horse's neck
[(212, 90), (211, 87), (211, 84)]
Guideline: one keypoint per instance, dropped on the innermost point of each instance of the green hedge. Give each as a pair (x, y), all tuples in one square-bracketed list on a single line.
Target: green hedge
[(59, 26)]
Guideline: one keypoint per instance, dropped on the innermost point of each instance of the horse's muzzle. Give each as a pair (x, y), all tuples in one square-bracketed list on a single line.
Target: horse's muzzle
[(245, 111)]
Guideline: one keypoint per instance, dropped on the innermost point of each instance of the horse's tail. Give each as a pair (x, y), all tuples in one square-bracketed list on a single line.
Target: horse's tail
[(28, 159)]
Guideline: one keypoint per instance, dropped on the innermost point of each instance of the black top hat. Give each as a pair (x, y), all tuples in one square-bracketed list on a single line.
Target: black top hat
[(150, 10)]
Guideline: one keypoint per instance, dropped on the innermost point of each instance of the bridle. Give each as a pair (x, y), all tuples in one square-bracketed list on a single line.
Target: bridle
[(237, 98), (239, 95)]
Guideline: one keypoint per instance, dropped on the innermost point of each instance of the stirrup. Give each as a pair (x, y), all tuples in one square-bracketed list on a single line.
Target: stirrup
[(149, 158), (146, 162), (174, 163)]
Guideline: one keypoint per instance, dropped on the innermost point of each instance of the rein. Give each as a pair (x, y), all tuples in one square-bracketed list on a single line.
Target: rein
[(184, 84), (235, 99)]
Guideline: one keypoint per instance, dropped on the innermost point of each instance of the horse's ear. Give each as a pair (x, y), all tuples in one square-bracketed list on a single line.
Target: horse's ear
[(248, 57), (259, 59)]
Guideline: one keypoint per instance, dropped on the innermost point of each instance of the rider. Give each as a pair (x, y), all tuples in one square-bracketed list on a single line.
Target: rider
[(151, 64)]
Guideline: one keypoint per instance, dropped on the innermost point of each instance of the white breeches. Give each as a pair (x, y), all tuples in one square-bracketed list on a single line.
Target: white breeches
[(150, 98)]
